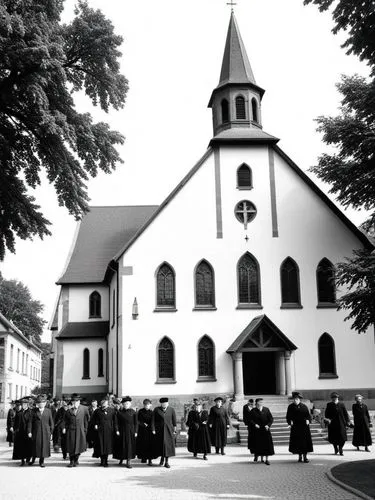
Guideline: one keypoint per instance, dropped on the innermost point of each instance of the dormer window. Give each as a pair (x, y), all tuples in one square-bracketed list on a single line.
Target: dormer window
[(95, 305), (244, 177), (254, 108), (224, 111), (240, 108)]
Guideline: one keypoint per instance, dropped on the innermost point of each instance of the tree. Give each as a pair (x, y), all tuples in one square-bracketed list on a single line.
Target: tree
[(43, 63), (17, 305), (350, 170)]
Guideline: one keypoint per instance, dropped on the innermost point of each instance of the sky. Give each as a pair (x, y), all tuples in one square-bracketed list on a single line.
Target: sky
[(172, 54)]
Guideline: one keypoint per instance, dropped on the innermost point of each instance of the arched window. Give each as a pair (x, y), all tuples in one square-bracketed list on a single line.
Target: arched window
[(166, 360), (100, 363), (254, 108), (165, 287), (248, 280), (327, 357), (289, 274), (325, 278), (224, 111), (206, 358), (204, 285), (86, 363), (240, 108), (95, 305), (244, 177)]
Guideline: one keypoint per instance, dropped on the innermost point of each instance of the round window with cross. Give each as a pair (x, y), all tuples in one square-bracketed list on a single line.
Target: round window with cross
[(245, 212)]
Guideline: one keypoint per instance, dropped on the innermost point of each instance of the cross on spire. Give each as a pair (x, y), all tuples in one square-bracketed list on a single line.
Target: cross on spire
[(232, 4)]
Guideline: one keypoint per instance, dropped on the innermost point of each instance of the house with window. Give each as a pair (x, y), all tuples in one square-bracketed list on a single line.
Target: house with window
[(239, 300), (20, 364)]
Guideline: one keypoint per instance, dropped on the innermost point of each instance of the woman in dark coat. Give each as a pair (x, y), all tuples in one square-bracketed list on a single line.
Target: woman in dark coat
[(198, 434), (75, 425), (145, 438), (246, 420), (164, 429), (218, 422), (337, 419), (22, 443), (299, 418), (362, 424), (10, 423), (126, 432), (40, 429), (103, 420), (261, 420)]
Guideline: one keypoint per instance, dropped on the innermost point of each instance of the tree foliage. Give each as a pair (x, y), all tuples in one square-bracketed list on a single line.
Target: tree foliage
[(43, 63), (350, 169), (18, 306)]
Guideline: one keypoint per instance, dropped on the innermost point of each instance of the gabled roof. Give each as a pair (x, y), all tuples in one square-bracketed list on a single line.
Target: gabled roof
[(243, 135), (253, 327), (87, 329), (9, 325), (102, 232)]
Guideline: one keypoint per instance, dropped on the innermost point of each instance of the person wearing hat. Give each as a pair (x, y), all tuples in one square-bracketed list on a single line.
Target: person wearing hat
[(261, 420), (198, 435), (164, 429), (103, 420), (125, 424), (337, 419), (10, 423), (59, 439), (22, 443), (218, 422), (145, 438), (299, 418), (362, 424), (75, 425), (246, 420), (40, 429)]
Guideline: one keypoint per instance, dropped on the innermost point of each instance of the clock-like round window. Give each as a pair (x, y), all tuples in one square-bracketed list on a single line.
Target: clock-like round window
[(245, 212)]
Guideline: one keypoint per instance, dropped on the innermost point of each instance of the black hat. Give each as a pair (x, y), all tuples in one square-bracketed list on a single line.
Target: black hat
[(17, 402), (147, 401), (163, 400), (334, 395), (42, 398), (251, 400), (296, 394), (258, 399), (75, 397), (219, 398), (126, 398)]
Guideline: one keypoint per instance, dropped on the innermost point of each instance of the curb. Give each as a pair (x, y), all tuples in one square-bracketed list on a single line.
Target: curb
[(346, 487)]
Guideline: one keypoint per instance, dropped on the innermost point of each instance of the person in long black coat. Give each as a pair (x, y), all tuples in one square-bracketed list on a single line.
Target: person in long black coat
[(218, 422), (103, 420), (126, 432), (246, 420), (298, 418), (145, 437), (40, 429), (198, 435), (91, 432), (164, 428), (337, 419), (261, 420), (22, 443), (10, 423), (75, 424), (60, 438), (362, 424)]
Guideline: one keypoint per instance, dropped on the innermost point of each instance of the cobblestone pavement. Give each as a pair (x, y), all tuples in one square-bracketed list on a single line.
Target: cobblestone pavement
[(229, 477)]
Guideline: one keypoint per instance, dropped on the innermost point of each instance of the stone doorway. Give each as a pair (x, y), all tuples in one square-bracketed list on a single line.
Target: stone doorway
[(259, 372)]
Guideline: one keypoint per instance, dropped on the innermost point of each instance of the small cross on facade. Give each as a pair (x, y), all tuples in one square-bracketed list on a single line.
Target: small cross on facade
[(247, 238), (232, 4)]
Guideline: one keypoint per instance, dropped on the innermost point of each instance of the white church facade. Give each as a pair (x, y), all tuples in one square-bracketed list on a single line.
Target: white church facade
[(238, 299)]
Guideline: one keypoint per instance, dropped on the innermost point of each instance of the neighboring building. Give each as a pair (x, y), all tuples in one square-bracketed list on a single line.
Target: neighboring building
[(20, 364), (226, 287)]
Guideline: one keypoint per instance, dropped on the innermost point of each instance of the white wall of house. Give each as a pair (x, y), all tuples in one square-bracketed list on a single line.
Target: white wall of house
[(79, 303)]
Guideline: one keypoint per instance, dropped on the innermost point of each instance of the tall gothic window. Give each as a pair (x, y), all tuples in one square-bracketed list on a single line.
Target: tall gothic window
[(244, 177), (254, 108), (240, 108), (327, 356), (86, 363), (165, 287), (325, 277), (290, 292), (204, 285), (95, 305), (100, 363), (248, 280), (206, 358), (166, 360), (224, 111)]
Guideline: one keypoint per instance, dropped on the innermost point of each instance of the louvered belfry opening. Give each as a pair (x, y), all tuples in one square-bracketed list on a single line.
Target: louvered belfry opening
[(165, 287), (204, 285), (248, 280), (244, 177), (289, 282), (240, 108), (166, 359), (206, 359), (224, 111)]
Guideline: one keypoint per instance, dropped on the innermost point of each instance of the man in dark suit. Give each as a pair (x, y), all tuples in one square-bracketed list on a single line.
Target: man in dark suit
[(164, 428), (337, 419), (103, 420), (40, 429), (246, 420), (75, 425)]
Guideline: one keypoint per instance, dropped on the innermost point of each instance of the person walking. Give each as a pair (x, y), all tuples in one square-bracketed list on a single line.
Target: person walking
[(145, 438), (164, 429), (337, 419), (218, 422), (10, 423), (75, 425), (125, 425), (22, 442), (362, 424), (261, 420), (103, 420), (40, 429), (246, 420), (298, 418), (198, 435)]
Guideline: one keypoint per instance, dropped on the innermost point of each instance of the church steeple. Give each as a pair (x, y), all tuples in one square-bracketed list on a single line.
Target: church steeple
[(236, 101)]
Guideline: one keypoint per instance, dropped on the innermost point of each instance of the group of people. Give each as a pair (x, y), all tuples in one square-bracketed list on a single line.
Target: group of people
[(114, 428), (259, 419)]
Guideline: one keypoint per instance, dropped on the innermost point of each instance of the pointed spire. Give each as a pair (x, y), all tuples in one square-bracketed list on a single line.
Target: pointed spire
[(236, 66)]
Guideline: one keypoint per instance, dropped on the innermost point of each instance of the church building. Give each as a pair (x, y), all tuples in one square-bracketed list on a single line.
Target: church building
[(239, 299)]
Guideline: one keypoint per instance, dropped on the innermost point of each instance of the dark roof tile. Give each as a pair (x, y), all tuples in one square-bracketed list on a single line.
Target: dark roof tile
[(92, 329)]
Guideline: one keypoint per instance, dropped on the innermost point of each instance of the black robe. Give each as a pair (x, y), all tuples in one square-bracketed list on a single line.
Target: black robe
[(262, 438), (124, 446), (362, 433), (300, 441), (75, 426), (246, 420), (218, 420), (10, 424), (145, 437), (339, 418), (198, 435), (22, 443), (104, 419), (59, 438), (91, 432), (41, 428), (163, 423)]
